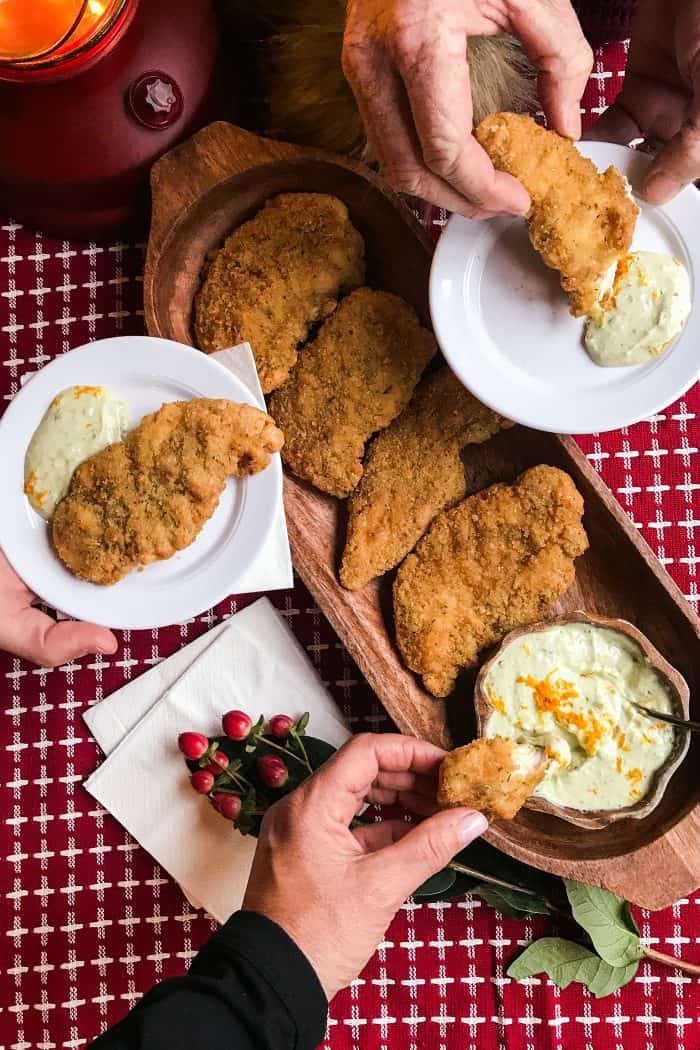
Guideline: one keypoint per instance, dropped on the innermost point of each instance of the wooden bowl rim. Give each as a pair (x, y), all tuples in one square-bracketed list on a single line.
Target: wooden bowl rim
[(296, 159), (680, 701)]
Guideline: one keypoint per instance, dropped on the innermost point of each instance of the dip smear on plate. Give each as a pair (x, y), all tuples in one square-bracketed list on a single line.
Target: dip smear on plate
[(80, 421), (568, 690), (644, 310)]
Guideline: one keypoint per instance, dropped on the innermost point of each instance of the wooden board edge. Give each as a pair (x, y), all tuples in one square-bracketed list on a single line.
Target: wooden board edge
[(672, 864), (610, 500)]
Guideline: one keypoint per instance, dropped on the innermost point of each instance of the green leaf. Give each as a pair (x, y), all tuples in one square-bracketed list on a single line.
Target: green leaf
[(435, 886), (510, 903), (565, 961), (608, 922), (301, 723)]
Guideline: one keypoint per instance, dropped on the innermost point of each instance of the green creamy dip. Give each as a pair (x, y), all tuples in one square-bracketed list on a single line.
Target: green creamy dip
[(79, 422), (567, 690), (646, 309)]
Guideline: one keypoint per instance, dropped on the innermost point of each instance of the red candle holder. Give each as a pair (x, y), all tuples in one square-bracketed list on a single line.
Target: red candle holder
[(92, 92)]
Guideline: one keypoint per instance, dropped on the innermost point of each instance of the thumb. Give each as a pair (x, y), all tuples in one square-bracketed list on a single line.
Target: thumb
[(679, 162), (70, 639), (616, 124), (428, 847), (676, 165), (35, 636)]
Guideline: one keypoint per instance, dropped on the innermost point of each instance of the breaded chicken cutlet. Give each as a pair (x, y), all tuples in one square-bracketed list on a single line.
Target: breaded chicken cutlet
[(351, 381), (494, 562), (275, 277), (146, 497), (412, 471), (488, 776), (581, 220)]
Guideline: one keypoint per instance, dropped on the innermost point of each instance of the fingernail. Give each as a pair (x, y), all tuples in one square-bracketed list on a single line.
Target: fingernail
[(108, 652), (660, 188), (472, 826)]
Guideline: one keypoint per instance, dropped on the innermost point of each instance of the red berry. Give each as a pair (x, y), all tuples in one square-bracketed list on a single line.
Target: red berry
[(280, 726), (236, 725), (218, 762), (192, 745), (229, 806), (202, 781), (272, 771)]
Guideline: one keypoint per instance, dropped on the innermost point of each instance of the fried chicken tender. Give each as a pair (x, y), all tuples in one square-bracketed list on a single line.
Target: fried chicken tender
[(146, 497), (581, 221), (412, 471), (485, 775), (351, 381), (494, 562), (277, 275)]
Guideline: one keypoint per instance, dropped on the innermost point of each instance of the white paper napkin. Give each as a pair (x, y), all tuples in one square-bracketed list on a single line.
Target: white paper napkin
[(251, 662)]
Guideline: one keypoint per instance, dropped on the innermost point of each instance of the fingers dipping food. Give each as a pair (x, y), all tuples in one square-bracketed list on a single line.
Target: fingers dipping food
[(581, 220)]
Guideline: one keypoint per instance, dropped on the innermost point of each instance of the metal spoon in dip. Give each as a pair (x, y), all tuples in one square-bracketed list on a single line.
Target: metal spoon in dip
[(662, 716)]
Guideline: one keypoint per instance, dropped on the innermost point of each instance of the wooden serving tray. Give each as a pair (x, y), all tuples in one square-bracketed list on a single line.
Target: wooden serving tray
[(221, 177)]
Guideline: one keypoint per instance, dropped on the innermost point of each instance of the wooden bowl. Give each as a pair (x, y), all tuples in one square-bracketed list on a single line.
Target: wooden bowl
[(680, 705), (195, 208)]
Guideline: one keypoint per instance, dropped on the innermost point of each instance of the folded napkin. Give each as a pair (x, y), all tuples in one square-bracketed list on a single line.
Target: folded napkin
[(251, 662)]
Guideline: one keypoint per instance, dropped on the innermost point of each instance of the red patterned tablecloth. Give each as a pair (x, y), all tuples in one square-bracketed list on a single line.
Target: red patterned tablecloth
[(90, 921)]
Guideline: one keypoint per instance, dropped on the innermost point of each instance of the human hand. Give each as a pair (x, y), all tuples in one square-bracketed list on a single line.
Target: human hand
[(660, 97), (31, 634), (333, 890), (406, 61)]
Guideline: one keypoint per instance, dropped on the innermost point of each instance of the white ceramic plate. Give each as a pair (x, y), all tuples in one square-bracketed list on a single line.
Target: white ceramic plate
[(503, 323), (145, 373)]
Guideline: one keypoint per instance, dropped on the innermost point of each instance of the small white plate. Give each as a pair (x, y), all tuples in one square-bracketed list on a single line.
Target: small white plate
[(503, 321), (145, 373)]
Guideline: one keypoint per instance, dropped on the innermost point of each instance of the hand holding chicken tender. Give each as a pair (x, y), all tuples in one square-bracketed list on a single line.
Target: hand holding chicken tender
[(581, 221)]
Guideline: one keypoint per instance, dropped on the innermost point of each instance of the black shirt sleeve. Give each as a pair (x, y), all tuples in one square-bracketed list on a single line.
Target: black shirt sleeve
[(249, 988)]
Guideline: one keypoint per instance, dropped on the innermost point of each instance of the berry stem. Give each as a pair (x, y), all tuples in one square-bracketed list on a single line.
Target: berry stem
[(285, 751), (237, 779), (300, 744), (671, 960)]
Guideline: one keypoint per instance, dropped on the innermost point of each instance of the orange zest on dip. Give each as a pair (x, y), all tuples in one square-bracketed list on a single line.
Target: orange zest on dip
[(572, 696)]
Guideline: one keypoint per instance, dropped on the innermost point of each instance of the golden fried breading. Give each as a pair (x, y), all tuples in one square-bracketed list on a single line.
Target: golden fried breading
[(484, 775), (581, 221), (352, 380), (412, 471), (275, 276), (494, 562), (146, 497)]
